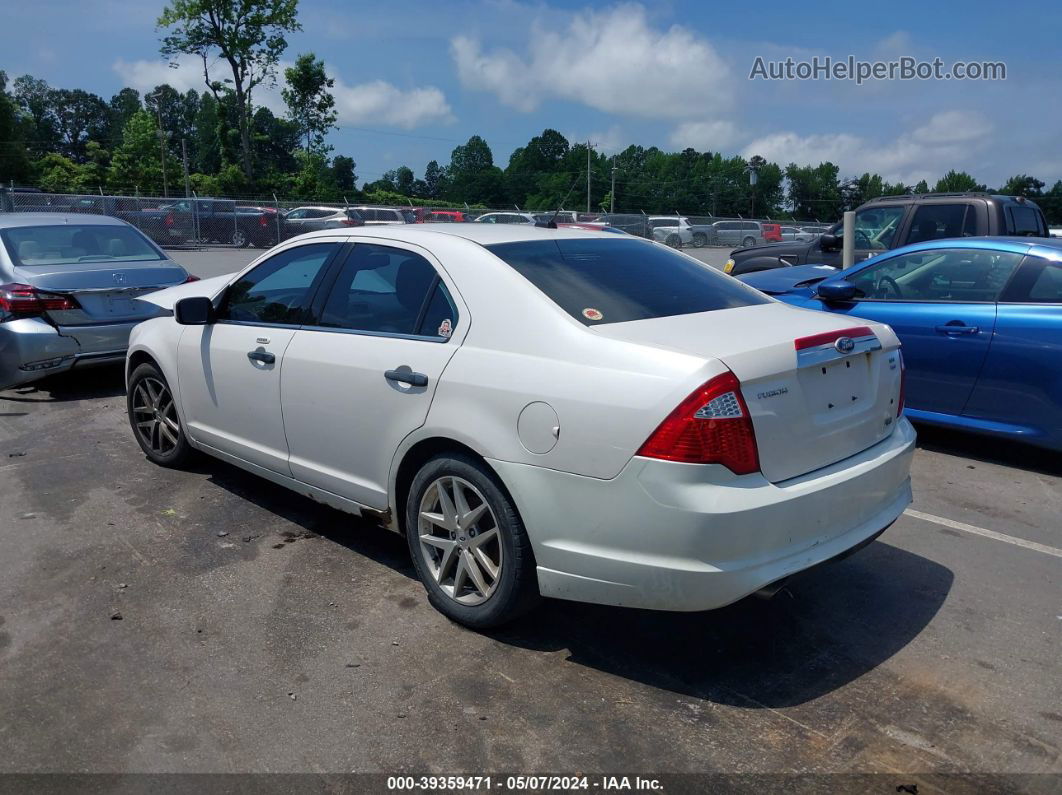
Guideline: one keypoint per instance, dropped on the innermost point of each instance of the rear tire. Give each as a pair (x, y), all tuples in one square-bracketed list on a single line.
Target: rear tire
[(674, 241), (153, 417), (748, 241), (468, 543), (239, 238), (700, 240)]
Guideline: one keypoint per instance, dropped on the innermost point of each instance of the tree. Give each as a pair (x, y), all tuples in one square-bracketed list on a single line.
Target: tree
[(310, 104), (343, 174), (434, 180), (79, 116), (14, 159), (122, 107), (404, 180), (136, 163), (1022, 185), (473, 175), (248, 35), (34, 98), (814, 191), (957, 182)]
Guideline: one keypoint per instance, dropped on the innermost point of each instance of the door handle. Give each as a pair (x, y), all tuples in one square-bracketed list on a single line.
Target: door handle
[(265, 357), (955, 328), (407, 377)]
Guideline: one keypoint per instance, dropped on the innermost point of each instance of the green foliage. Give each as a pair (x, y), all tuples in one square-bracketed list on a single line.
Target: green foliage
[(14, 158), (249, 36), (137, 163), (310, 104), (1022, 185), (957, 182)]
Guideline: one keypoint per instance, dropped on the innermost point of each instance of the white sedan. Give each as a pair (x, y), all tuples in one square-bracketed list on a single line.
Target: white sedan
[(541, 412)]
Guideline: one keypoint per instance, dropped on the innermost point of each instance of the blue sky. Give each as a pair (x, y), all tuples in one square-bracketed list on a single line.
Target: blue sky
[(416, 78)]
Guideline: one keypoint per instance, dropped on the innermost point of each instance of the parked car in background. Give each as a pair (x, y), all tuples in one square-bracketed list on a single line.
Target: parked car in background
[(385, 216), (569, 217), (434, 378), (796, 233), (67, 284), (444, 217), (772, 233), (671, 230), (313, 219), (1055, 231), (210, 220), (736, 233), (980, 320), (815, 229), (506, 218), (889, 222), (593, 228)]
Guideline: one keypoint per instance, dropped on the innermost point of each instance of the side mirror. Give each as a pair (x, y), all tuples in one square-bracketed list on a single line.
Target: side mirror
[(836, 291), (195, 311), (828, 241)]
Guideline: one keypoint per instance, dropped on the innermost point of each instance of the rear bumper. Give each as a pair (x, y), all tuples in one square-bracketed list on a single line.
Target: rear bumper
[(31, 348), (687, 537)]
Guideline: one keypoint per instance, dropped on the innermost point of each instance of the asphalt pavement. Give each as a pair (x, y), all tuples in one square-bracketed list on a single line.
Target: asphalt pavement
[(207, 621)]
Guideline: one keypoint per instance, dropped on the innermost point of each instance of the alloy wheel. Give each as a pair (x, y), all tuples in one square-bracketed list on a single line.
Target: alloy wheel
[(460, 541), (155, 416)]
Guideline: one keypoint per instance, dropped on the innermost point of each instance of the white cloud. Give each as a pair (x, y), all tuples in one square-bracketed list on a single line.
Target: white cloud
[(377, 102), (704, 136), (611, 60), (950, 139), (380, 102)]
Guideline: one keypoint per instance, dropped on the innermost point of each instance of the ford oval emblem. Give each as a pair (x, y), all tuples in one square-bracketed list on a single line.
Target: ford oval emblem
[(845, 344)]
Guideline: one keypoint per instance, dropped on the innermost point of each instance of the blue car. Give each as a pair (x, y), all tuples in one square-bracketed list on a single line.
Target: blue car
[(980, 320)]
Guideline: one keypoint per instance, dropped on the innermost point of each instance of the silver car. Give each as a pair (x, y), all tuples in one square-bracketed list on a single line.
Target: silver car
[(67, 284)]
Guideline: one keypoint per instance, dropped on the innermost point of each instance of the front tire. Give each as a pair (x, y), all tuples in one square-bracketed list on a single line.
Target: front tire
[(240, 238), (153, 417), (468, 543)]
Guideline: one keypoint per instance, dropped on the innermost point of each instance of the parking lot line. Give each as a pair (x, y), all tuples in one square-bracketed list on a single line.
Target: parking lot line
[(980, 531)]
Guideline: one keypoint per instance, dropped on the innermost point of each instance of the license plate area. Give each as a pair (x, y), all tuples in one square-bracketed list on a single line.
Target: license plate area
[(838, 388)]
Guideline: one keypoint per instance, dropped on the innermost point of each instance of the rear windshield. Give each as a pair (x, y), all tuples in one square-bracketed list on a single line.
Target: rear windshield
[(615, 280), (66, 244)]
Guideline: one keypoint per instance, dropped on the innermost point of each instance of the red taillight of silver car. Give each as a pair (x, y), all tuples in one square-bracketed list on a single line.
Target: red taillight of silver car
[(24, 300), (711, 426)]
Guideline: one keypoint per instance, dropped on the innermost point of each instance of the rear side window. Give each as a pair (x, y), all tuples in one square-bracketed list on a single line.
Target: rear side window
[(617, 280), (933, 221), (384, 290), (1024, 222)]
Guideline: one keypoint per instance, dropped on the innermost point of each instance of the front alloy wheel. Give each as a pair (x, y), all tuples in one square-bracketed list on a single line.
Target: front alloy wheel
[(239, 238), (154, 419)]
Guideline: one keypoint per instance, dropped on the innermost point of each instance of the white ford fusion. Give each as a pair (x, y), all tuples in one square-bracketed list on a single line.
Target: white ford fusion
[(540, 412)]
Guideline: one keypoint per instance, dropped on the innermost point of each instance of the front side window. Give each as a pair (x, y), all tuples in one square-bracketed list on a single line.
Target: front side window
[(280, 289), (945, 275), (876, 227), (68, 244), (615, 280), (386, 290)]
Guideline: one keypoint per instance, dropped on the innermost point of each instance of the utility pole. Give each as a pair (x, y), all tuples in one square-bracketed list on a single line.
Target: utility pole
[(612, 201), (588, 175), (184, 158), (162, 143)]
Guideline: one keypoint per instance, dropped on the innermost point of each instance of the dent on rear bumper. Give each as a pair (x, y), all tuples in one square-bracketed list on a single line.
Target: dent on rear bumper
[(27, 342), (672, 536)]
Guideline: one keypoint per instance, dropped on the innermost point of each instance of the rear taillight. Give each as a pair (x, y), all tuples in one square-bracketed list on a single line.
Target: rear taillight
[(191, 279), (711, 426), (348, 222), (903, 385), (263, 221), (169, 221), (24, 300)]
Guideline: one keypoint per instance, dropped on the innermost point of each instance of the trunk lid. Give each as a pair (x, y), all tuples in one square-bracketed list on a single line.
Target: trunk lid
[(812, 404), (104, 291)]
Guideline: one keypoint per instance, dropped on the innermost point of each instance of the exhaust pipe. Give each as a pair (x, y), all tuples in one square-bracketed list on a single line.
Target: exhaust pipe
[(767, 592)]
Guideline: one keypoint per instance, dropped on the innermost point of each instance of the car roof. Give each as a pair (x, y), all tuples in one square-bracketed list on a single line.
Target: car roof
[(9, 220), (1017, 245), (483, 234)]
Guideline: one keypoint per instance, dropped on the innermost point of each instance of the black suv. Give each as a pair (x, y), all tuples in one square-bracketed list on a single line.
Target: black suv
[(893, 221)]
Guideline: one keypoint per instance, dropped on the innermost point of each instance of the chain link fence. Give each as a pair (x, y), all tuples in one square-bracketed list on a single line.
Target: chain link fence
[(195, 221)]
